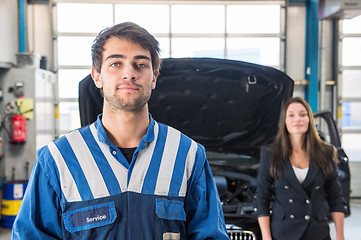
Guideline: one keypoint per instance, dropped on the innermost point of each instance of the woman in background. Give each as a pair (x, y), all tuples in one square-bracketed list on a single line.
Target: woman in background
[(298, 177)]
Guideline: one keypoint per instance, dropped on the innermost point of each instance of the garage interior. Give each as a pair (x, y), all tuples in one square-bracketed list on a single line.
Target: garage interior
[(45, 52)]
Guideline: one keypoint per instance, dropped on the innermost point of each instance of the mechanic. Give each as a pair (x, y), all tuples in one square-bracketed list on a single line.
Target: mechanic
[(298, 173), (125, 176)]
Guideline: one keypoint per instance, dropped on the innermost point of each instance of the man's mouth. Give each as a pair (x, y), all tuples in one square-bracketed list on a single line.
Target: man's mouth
[(128, 88)]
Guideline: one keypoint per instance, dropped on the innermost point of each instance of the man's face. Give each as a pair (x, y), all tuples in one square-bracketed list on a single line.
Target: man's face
[(126, 77)]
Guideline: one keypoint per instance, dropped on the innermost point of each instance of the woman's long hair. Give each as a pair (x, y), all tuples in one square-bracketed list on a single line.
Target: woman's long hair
[(317, 150)]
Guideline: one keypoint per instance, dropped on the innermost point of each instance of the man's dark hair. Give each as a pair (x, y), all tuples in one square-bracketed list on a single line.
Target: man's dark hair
[(129, 31)]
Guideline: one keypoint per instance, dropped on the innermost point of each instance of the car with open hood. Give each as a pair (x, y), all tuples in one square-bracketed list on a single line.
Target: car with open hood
[(232, 108)]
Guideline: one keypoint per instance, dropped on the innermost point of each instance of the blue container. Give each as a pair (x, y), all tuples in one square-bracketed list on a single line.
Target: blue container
[(13, 193)]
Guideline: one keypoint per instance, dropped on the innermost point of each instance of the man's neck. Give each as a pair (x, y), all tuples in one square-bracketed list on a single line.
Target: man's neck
[(125, 129)]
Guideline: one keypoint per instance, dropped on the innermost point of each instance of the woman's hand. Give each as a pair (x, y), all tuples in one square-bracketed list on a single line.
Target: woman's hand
[(264, 223), (338, 219)]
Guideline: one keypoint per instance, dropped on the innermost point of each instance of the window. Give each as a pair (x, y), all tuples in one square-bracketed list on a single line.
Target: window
[(263, 19), (351, 51), (227, 29), (350, 85), (145, 17), (263, 51), (94, 17), (351, 115)]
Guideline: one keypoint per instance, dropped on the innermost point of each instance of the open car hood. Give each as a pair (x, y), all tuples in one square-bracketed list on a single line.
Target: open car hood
[(227, 106)]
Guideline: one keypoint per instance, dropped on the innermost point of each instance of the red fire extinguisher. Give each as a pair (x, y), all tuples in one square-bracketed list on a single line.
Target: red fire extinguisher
[(18, 123)]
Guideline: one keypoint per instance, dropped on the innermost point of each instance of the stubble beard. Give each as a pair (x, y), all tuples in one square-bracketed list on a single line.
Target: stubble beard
[(120, 103)]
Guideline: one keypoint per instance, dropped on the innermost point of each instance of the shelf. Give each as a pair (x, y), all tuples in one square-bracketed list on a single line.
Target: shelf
[(5, 65)]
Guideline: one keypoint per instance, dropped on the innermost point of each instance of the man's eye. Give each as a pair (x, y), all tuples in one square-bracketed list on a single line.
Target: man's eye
[(114, 65), (142, 65)]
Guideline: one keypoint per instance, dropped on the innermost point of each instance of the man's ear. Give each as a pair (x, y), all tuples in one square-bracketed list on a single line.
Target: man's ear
[(154, 81), (97, 78)]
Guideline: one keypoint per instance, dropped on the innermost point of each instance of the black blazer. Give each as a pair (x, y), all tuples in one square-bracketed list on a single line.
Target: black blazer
[(298, 211)]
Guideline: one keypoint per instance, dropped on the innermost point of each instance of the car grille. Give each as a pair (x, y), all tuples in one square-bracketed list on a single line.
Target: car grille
[(241, 235)]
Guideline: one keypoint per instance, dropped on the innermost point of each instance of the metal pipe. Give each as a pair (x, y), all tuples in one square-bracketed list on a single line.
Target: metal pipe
[(22, 27), (311, 71), (323, 65)]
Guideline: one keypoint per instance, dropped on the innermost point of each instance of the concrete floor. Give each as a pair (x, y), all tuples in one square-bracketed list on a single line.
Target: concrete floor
[(352, 224)]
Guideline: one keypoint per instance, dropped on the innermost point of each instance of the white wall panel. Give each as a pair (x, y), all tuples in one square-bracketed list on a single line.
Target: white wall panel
[(9, 32), (39, 31), (295, 46)]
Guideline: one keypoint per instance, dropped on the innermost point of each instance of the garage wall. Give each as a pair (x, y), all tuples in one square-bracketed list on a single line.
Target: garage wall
[(355, 169), (9, 35), (38, 37), (295, 47), (39, 31)]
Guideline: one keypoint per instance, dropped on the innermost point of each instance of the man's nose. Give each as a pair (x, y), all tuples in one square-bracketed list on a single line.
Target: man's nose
[(128, 73)]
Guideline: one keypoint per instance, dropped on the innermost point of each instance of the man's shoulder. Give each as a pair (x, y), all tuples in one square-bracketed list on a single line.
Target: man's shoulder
[(64, 138), (180, 133)]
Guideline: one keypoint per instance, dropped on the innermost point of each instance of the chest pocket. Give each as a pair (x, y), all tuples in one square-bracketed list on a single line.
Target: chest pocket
[(170, 219), (87, 221)]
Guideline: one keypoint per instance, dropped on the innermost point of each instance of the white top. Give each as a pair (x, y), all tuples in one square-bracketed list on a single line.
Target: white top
[(300, 173)]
